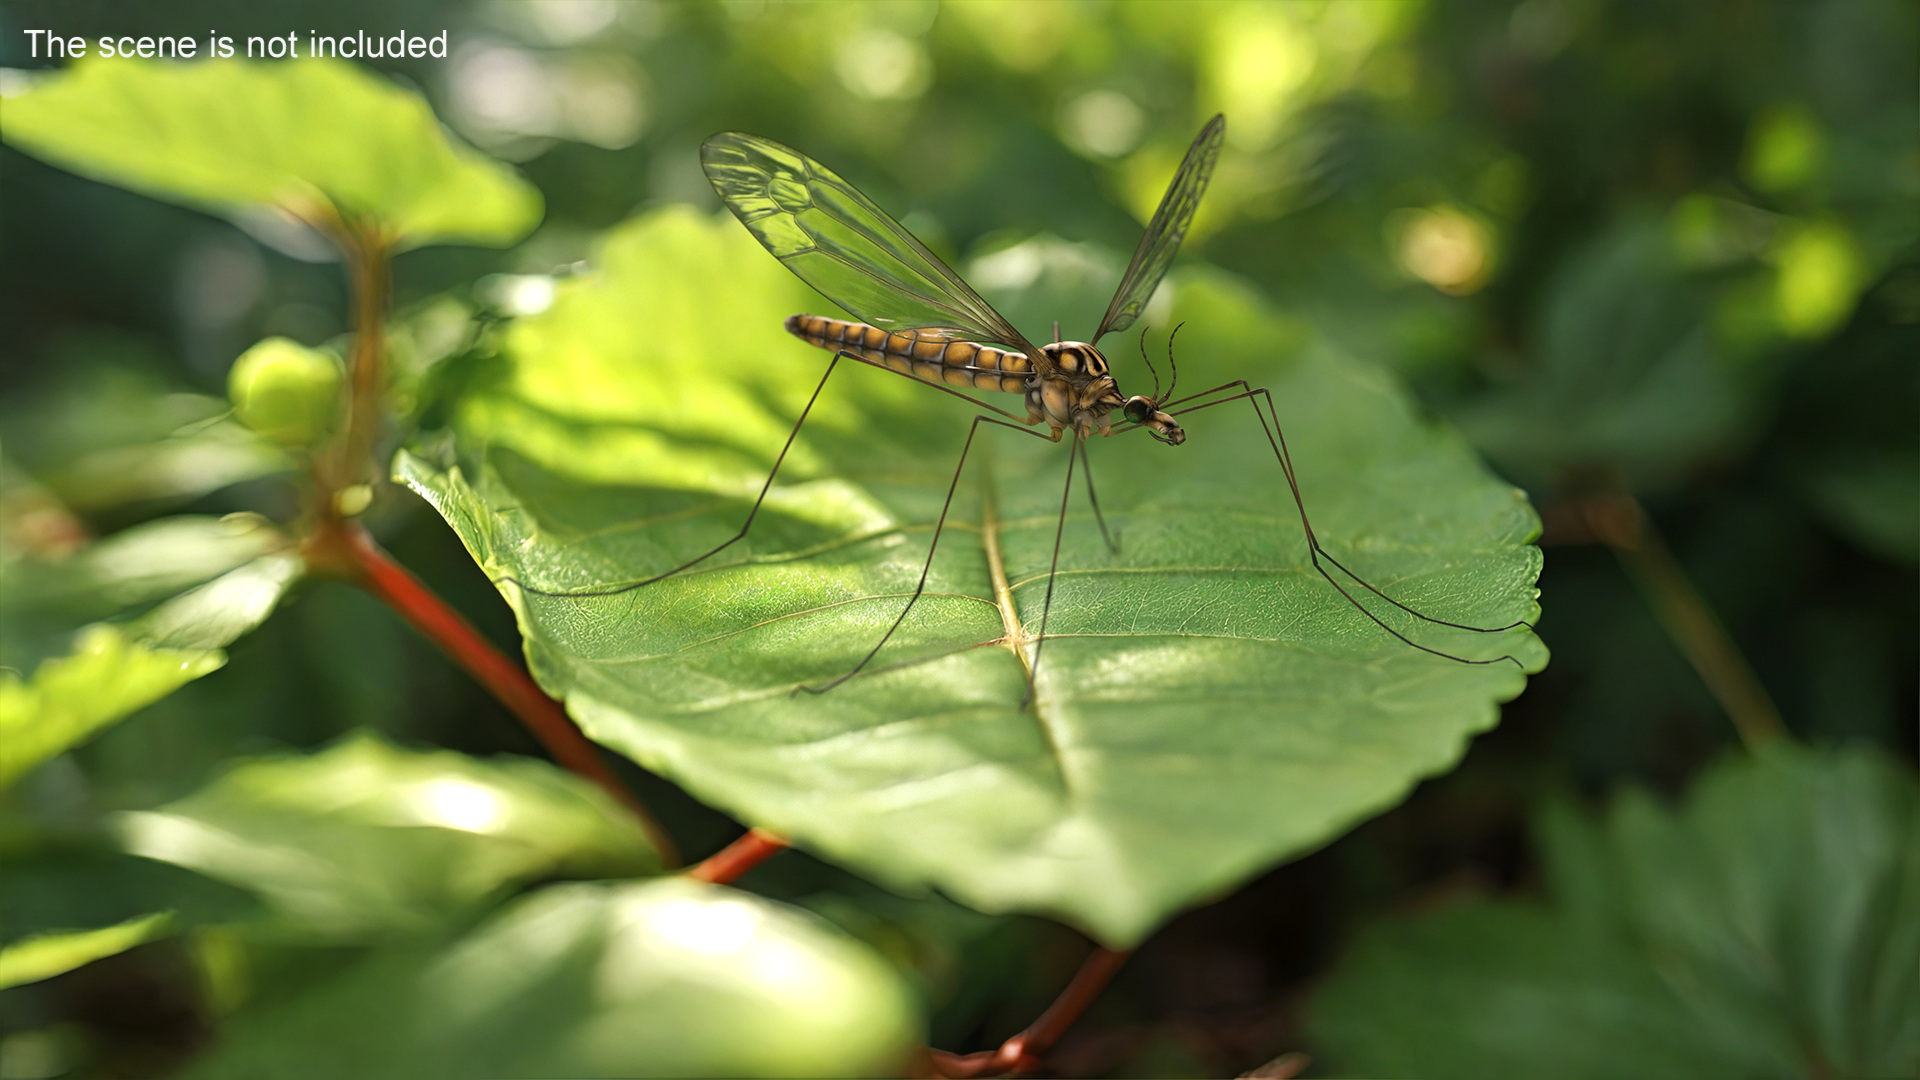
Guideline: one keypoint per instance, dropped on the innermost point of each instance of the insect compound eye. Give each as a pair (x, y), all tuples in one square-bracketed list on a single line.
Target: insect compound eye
[(1138, 410)]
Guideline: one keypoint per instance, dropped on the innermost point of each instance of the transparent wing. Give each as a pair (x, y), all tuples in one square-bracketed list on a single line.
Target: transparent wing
[(1164, 233), (840, 243)]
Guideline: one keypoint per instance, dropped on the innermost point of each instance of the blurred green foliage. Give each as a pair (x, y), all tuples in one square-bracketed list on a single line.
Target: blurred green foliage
[(1764, 928), (1668, 250), (666, 978), (42, 956), (364, 840), (315, 142)]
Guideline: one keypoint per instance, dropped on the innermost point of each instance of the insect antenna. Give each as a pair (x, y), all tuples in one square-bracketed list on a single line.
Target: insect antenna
[(1149, 362), (1173, 379)]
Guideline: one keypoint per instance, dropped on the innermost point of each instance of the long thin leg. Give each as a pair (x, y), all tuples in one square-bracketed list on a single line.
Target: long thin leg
[(744, 526), (1168, 405), (1053, 569), (764, 488), (1276, 438), (1187, 401), (1086, 466), (927, 567)]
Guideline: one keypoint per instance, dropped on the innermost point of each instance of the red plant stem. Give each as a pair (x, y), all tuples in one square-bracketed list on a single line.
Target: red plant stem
[(369, 261), (1022, 1053), (341, 548), (730, 862), (370, 568)]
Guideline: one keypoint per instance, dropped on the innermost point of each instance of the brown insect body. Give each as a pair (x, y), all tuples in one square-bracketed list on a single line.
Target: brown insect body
[(1078, 392)]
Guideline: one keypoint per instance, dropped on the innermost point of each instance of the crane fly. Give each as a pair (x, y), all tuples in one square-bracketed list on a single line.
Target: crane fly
[(920, 319)]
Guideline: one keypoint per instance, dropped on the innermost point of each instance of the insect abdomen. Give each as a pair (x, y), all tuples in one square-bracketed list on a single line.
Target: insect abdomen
[(955, 363)]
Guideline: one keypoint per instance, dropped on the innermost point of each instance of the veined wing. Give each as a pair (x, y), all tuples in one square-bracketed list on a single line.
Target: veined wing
[(1164, 233), (852, 251)]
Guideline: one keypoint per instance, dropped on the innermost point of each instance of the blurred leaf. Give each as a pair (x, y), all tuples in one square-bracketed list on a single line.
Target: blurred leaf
[(667, 978), (1846, 434), (136, 566), (428, 345), (1767, 927), (101, 390), (367, 839), (1206, 705), (58, 878), (1877, 501), (1625, 371), (183, 465), (218, 612), (47, 955), (1505, 990), (108, 434), (958, 960), (313, 139), (117, 669), (109, 675)]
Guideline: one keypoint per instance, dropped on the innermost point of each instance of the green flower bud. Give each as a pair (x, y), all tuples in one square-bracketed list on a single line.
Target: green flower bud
[(286, 391)]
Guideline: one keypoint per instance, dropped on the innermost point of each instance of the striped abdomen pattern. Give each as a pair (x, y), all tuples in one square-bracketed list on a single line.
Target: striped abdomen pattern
[(955, 363)]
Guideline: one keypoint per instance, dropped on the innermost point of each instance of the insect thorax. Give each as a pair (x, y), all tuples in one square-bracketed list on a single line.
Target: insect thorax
[(1079, 393), (1076, 358)]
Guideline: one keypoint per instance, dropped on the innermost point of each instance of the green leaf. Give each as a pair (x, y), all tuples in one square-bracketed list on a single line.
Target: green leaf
[(43, 599), (68, 699), (217, 613), (173, 469), (108, 671), (56, 879), (366, 839), (105, 434), (1874, 498), (47, 955), (1770, 926), (1506, 990), (314, 139), (667, 978), (1206, 706)]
